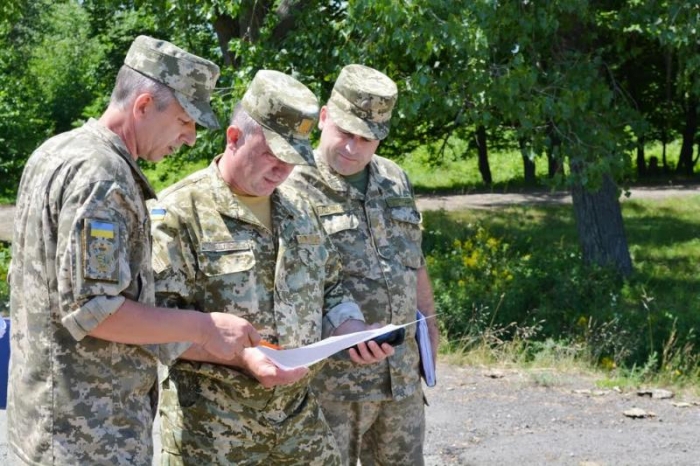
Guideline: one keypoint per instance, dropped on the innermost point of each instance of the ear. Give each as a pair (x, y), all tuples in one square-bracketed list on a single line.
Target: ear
[(322, 117), (142, 105), (233, 134)]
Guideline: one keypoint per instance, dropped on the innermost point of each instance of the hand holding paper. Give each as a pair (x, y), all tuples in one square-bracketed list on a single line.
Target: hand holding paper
[(311, 354)]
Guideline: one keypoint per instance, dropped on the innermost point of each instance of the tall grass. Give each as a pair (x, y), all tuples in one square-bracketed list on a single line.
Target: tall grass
[(512, 281)]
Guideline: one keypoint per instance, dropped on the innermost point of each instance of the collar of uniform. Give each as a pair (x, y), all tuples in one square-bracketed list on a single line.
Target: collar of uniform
[(104, 133), (335, 181), (226, 203)]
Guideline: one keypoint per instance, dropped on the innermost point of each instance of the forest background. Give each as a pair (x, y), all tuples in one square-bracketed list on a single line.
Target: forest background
[(586, 96)]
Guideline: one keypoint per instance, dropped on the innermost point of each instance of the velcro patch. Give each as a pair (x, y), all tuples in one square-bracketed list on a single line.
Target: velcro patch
[(309, 239), (220, 246), (101, 250), (399, 201), (331, 209)]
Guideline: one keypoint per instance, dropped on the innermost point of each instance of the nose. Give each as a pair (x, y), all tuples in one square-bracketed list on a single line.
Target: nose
[(189, 134), (282, 169)]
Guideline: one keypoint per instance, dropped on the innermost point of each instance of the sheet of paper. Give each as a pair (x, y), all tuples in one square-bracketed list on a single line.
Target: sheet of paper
[(315, 352)]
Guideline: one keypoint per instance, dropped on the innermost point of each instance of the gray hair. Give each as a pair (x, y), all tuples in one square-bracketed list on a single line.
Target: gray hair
[(243, 121), (131, 83)]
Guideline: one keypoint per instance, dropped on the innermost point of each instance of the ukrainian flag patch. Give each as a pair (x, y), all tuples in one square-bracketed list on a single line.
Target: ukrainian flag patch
[(101, 229), (157, 214), (100, 250)]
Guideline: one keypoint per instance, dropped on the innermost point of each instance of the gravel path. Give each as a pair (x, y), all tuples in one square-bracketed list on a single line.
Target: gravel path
[(487, 417)]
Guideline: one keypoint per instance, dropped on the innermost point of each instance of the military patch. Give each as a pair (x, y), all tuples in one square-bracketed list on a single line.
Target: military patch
[(399, 201), (158, 214), (309, 239), (305, 127), (219, 246), (331, 209), (101, 250)]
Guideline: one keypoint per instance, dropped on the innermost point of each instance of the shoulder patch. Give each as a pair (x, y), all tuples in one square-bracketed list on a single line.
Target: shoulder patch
[(101, 250)]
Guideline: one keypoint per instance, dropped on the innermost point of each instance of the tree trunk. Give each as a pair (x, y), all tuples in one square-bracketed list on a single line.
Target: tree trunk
[(641, 158), (226, 29), (685, 159), (249, 21), (600, 227), (482, 149), (528, 165), (553, 164)]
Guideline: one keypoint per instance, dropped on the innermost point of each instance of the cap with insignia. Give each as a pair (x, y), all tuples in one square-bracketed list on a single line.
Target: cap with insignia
[(287, 111), (191, 78), (362, 100)]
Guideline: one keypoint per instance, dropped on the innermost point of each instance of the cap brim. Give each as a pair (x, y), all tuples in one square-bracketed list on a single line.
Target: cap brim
[(199, 111), (355, 125), (290, 150)]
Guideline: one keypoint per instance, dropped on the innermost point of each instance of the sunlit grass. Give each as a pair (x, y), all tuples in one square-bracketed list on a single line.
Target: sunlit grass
[(662, 296)]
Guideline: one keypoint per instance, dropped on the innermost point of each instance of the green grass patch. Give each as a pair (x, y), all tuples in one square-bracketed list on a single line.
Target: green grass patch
[(456, 168), (512, 281)]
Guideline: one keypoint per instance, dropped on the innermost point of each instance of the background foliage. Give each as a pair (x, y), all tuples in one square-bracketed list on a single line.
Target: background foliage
[(562, 93)]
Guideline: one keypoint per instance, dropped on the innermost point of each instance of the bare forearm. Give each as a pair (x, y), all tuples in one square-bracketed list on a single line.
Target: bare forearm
[(137, 323), (199, 354)]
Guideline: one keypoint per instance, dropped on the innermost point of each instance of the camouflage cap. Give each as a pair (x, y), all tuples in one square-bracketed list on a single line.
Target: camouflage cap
[(287, 111), (362, 101), (191, 78)]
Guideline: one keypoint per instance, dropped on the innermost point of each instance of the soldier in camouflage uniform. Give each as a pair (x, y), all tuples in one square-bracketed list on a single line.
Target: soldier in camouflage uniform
[(367, 208), (227, 238), (81, 278)]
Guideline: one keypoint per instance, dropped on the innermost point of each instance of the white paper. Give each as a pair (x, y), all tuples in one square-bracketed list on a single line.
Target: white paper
[(315, 352)]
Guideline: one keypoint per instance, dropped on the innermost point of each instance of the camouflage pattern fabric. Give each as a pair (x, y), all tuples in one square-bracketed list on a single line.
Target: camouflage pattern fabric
[(362, 100), (81, 246), (378, 235), (287, 111), (191, 78), (211, 253), (397, 424)]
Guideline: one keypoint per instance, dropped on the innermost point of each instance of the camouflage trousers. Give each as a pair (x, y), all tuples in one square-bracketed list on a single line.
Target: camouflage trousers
[(388, 433), (210, 433)]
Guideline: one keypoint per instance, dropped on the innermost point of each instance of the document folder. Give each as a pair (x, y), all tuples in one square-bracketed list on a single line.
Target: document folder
[(427, 367)]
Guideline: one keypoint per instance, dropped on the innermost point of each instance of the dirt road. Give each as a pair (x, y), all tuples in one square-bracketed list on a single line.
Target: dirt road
[(550, 418), (487, 417)]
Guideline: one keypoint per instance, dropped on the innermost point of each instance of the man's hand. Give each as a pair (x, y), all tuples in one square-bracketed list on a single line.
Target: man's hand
[(367, 352), (264, 371), (225, 335)]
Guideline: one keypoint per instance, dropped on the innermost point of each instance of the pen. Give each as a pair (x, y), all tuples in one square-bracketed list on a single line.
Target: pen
[(267, 344)]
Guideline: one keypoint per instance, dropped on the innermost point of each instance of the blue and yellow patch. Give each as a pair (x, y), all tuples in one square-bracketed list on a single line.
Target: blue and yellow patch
[(101, 229), (100, 250), (158, 214)]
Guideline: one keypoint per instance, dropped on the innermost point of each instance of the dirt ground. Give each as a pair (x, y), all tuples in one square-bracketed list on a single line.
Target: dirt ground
[(488, 417), (484, 417)]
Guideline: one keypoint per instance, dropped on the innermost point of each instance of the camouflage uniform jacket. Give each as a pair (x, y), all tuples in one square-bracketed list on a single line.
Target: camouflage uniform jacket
[(212, 254), (81, 246), (378, 235)]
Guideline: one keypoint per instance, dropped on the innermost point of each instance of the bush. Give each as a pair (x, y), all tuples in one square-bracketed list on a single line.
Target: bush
[(513, 288)]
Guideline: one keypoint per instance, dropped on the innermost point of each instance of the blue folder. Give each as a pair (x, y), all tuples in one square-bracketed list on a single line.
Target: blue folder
[(427, 367)]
